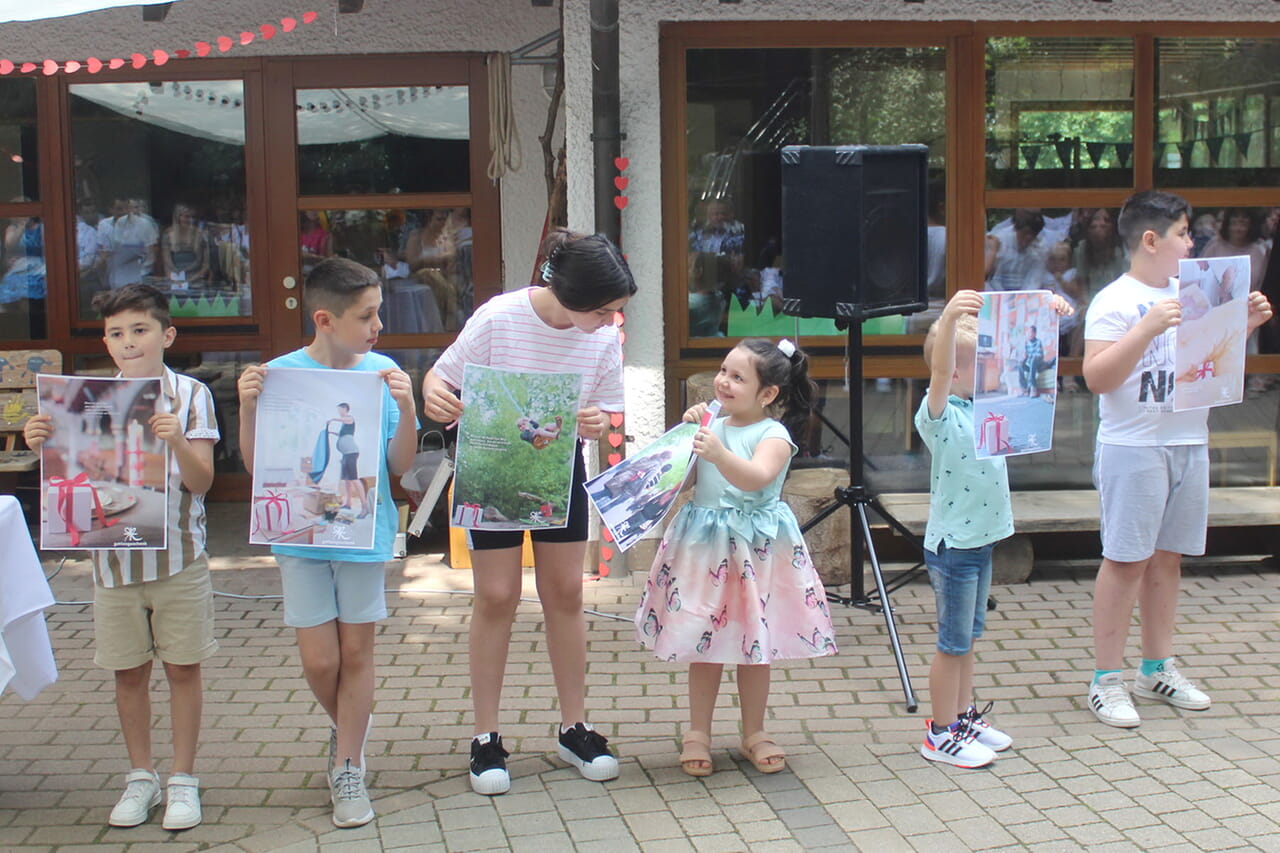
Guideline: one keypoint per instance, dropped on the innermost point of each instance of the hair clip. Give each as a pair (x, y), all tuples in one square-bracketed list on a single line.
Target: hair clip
[(545, 270), (786, 348)]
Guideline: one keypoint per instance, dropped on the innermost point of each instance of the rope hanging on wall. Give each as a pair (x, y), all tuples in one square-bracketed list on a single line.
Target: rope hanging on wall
[(504, 142)]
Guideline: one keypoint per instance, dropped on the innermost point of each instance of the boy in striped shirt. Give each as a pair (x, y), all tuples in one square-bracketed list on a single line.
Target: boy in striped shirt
[(156, 603)]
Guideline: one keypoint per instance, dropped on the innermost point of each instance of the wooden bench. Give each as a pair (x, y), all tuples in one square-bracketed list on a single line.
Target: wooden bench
[(18, 369), (1076, 510)]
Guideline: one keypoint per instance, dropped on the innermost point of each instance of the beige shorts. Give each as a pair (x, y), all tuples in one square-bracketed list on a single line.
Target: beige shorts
[(171, 619)]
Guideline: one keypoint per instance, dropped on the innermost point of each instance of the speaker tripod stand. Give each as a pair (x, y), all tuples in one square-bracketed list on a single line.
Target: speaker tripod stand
[(857, 498)]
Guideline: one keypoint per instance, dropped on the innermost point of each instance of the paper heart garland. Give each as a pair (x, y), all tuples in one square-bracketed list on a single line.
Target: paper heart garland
[(621, 183), (621, 163), (6, 67), (50, 67), (605, 534), (606, 552), (615, 439), (159, 57), (615, 458), (620, 202), (615, 418)]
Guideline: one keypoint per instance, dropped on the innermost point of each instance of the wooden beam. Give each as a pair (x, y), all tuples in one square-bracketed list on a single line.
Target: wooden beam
[(155, 12)]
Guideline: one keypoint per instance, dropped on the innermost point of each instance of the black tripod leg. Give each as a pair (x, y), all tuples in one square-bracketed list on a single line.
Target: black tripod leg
[(887, 608)]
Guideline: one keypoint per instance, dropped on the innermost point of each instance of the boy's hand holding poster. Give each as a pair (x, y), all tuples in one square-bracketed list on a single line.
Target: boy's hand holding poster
[(516, 443), (637, 493), (1015, 378), (104, 474), (1209, 359), (317, 452)]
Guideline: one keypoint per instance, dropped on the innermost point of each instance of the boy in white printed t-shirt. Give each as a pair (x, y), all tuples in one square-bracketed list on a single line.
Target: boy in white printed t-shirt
[(1151, 463), (156, 603)]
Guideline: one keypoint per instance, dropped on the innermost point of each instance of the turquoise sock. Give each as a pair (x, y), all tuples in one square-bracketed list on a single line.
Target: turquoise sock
[(1151, 667), (1098, 673)]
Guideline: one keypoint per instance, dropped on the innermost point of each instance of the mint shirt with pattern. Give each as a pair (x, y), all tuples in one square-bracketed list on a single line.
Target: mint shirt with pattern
[(968, 497)]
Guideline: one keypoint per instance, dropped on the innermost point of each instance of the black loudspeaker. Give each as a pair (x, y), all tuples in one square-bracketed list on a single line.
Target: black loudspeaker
[(854, 230)]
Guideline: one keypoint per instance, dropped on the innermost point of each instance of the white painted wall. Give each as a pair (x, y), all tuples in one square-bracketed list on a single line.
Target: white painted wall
[(641, 221)]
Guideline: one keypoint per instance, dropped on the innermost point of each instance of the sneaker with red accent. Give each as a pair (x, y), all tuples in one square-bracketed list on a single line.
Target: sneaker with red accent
[(957, 745)]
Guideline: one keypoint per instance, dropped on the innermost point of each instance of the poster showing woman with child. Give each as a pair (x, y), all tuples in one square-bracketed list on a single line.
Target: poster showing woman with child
[(316, 478)]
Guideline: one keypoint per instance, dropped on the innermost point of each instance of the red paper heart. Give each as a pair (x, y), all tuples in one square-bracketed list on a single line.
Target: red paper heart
[(27, 67), (615, 458), (604, 570), (287, 24), (605, 534), (116, 63), (308, 17), (615, 419), (621, 183), (6, 67), (72, 66), (203, 48), (621, 163), (620, 202), (246, 37), (224, 43), (94, 64), (182, 53), (50, 67), (160, 56), (268, 31), (137, 60), (606, 552), (615, 439)]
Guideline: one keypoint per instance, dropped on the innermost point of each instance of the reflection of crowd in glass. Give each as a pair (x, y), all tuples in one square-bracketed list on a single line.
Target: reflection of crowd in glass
[(424, 256), (1079, 253)]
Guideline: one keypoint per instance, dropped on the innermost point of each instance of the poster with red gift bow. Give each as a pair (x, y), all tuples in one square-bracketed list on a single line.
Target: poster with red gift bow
[(1015, 373), (1208, 361), (104, 475)]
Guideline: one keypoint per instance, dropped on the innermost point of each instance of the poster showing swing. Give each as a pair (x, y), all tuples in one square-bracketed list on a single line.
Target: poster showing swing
[(516, 442), (1208, 365), (104, 474), (316, 450), (1015, 377)]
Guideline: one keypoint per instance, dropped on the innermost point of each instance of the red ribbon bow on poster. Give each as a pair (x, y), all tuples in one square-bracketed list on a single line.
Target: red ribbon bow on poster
[(66, 506), (157, 56), (272, 500), (999, 426), (1205, 371)]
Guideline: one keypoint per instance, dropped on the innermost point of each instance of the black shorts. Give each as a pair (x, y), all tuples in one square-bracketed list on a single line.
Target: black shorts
[(575, 531), (349, 470)]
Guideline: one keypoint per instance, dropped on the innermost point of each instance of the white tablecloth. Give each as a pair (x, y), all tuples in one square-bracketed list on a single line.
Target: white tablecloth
[(26, 656)]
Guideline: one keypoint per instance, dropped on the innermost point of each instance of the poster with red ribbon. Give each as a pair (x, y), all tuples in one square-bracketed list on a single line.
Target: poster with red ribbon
[(104, 474)]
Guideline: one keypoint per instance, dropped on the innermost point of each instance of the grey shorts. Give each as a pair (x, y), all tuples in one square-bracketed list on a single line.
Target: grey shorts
[(320, 591), (1153, 499)]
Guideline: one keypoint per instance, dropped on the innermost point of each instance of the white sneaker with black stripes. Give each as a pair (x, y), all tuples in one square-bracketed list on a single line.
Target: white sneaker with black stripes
[(957, 744), (1172, 687)]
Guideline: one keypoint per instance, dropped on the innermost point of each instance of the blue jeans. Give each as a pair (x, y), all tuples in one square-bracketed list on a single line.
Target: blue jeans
[(961, 579)]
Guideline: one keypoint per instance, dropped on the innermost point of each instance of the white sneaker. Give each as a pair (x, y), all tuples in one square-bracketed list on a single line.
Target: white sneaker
[(182, 811), (956, 745), (1172, 687), (1110, 702), (141, 795), (350, 798), (987, 734), (333, 745)]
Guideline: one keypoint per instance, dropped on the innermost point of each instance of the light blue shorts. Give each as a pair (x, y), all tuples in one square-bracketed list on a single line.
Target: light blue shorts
[(1153, 499), (319, 591), (961, 579)]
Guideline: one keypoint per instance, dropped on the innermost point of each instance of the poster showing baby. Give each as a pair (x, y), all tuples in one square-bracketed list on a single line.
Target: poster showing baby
[(317, 437), (1209, 359), (104, 474)]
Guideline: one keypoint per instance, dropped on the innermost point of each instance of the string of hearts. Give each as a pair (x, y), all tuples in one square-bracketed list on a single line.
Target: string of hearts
[(615, 436), (158, 56)]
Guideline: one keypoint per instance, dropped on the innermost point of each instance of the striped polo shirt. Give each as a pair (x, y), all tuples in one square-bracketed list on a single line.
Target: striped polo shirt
[(191, 401), (506, 332)]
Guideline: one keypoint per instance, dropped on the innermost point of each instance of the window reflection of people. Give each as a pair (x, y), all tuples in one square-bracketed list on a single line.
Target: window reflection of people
[(184, 249), (430, 252), (313, 239), (1015, 253), (1062, 279), (1099, 258), (23, 288), (353, 487), (1240, 234), (131, 246), (715, 266)]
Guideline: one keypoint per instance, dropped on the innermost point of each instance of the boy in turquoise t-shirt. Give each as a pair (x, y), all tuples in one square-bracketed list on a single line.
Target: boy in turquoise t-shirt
[(334, 597)]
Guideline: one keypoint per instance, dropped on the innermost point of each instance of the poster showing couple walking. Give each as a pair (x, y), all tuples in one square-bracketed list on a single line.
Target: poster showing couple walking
[(317, 452)]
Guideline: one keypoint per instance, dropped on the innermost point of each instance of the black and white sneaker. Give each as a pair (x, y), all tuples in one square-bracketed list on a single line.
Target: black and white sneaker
[(588, 750), (489, 765)]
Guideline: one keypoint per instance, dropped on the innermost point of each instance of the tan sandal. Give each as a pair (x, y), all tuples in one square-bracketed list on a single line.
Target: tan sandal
[(763, 753), (697, 751)]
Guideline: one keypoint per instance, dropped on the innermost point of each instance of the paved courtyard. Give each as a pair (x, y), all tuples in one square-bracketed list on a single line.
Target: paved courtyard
[(1183, 781)]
